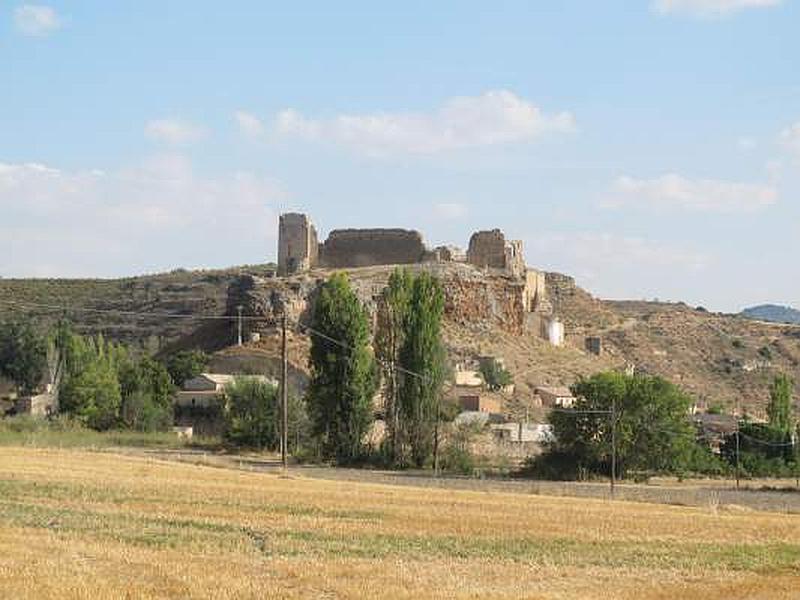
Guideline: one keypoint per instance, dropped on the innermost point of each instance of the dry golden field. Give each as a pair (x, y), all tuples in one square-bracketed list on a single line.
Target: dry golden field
[(77, 524)]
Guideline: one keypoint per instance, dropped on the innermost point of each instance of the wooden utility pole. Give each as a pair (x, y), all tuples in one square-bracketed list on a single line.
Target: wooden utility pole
[(239, 337), (284, 394), (613, 445), (738, 421)]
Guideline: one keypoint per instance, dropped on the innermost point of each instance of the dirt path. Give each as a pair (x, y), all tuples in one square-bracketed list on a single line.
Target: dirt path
[(764, 495)]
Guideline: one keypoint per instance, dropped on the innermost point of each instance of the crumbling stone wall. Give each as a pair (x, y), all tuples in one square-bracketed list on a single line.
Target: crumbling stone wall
[(535, 292), (491, 250), (367, 247), (297, 244)]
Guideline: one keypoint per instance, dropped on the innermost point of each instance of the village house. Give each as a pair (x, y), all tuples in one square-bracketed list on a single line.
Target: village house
[(199, 405), (207, 389), (560, 397)]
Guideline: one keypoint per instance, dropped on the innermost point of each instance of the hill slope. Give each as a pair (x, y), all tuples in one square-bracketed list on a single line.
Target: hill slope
[(719, 358)]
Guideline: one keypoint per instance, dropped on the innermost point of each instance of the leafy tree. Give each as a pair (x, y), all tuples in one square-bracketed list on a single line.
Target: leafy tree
[(652, 429), (495, 375), (252, 413), (392, 322), (23, 355), (764, 450), (423, 354), (779, 408), (91, 389), (343, 371), (186, 364), (146, 390)]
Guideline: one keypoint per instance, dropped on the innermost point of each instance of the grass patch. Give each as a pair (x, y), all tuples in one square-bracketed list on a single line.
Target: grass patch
[(66, 433)]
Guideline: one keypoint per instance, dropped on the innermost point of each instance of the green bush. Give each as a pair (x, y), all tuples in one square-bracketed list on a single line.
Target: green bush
[(252, 414)]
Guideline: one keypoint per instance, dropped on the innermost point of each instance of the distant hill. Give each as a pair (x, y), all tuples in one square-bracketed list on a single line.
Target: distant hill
[(773, 313)]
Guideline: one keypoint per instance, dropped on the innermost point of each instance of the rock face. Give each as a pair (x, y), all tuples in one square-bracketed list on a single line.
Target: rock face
[(367, 247), (472, 298)]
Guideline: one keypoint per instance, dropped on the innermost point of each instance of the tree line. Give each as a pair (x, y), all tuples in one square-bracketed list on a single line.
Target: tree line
[(646, 418), (108, 385)]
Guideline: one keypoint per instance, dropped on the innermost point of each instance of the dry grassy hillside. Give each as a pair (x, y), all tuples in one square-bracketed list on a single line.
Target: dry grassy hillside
[(716, 357)]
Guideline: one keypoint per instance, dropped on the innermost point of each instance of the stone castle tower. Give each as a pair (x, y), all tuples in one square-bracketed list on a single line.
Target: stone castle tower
[(298, 247)]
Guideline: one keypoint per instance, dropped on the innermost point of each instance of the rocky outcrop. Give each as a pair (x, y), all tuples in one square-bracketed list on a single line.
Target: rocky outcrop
[(472, 299)]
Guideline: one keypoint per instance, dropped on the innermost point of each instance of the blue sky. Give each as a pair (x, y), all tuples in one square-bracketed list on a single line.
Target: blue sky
[(649, 148)]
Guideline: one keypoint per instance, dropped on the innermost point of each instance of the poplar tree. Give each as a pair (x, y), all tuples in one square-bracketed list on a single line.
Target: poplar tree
[(779, 409), (343, 372), (392, 318), (423, 354)]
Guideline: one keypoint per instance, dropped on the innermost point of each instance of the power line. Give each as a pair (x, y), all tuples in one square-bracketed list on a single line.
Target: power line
[(229, 318), (346, 346), (125, 313)]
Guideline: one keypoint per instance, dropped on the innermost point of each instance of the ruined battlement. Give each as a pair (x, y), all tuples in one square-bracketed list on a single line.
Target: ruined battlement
[(491, 250), (368, 247), (299, 249)]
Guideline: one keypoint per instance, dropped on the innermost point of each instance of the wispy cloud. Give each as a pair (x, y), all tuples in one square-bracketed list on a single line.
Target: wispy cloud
[(676, 192), (173, 131), (150, 215), (495, 117), (249, 125), (36, 20), (709, 8)]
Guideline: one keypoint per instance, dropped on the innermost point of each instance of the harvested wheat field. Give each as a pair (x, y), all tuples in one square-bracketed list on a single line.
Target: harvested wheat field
[(76, 524)]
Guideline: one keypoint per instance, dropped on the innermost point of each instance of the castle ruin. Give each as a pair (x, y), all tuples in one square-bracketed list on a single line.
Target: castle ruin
[(299, 250), (519, 289)]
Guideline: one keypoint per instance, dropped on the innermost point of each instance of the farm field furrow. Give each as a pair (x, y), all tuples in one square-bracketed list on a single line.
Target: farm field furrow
[(77, 524)]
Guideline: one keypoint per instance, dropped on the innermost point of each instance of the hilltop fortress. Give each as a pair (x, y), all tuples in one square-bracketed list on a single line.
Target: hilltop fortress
[(300, 250), (491, 274)]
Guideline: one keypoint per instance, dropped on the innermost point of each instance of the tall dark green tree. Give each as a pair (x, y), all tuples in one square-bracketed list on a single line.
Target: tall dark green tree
[(23, 355), (423, 354), (653, 432), (779, 409), (392, 322), (343, 371)]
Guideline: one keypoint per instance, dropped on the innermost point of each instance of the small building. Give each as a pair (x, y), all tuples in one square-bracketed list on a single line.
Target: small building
[(551, 397), (206, 389), (522, 432), (199, 405), (467, 377), (475, 401), (553, 331)]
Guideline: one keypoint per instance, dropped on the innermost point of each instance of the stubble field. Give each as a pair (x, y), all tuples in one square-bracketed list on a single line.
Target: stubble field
[(78, 524)]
